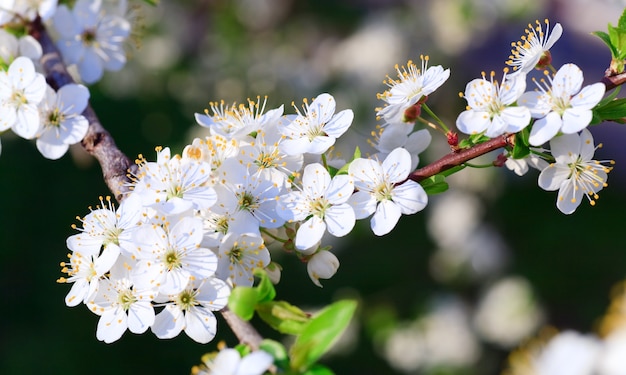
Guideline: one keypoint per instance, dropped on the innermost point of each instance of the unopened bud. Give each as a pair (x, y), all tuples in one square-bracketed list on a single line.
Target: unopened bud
[(322, 265), (500, 160), (453, 139), (412, 113), (273, 271)]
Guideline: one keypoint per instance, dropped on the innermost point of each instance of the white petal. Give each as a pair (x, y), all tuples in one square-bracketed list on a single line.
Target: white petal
[(565, 148), (340, 219), (473, 122), (497, 127), (589, 96), (366, 173), (310, 232), (569, 197), (544, 129), (52, 151), (587, 147), (516, 118), (339, 124), (78, 293), (363, 203), (385, 218), (322, 108), (550, 178), (73, 98), (90, 68), (536, 102), (168, 323), (201, 324), (575, 119), (410, 197), (315, 180), (140, 317), (255, 363), (27, 124), (340, 189), (567, 81), (112, 325), (397, 165)]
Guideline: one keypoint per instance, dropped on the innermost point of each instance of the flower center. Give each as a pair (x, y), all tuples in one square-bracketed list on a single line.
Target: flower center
[(126, 299), (235, 254), (383, 191), (247, 202), (187, 299), (319, 207), (172, 259)]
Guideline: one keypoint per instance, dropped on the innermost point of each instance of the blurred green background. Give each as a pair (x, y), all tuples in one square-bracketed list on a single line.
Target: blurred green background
[(428, 277)]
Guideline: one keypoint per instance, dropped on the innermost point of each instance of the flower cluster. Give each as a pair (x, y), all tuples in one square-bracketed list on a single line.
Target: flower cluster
[(90, 39), (558, 112), (196, 224)]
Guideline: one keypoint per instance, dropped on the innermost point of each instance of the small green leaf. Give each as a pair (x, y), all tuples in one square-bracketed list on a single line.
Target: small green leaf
[(266, 291), (242, 301), (452, 170), (344, 169), (283, 317), (434, 184), (318, 369), (615, 110), (522, 147), (622, 20), (607, 40), (152, 2), (276, 350), (321, 333)]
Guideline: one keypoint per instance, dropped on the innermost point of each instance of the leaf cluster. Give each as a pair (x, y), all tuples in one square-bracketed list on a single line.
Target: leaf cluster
[(315, 334)]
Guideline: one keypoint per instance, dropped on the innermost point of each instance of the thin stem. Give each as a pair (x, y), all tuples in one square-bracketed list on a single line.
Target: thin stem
[(434, 116)]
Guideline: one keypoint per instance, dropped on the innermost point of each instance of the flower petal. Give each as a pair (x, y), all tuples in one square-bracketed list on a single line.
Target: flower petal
[(385, 218)]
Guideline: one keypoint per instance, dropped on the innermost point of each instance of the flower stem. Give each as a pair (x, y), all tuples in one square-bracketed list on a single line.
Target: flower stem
[(437, 119)]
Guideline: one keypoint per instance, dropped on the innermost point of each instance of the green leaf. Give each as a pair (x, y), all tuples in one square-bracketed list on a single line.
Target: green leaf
[(321, 333), (318, 370), (243, 300), (276, 350), (344, 169), (283, 317), (152, 2), (522, 147), (265, 288), (615, 110), (434, 184), (607, 40), (452, 170)]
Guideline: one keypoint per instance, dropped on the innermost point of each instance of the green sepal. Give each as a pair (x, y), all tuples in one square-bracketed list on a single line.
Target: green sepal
[(283, 317), (356, 155), (434, 184), (265, 288), (276, 350), (322, 331), (242, 301), (473, 140), (615, 110), (522, 147)]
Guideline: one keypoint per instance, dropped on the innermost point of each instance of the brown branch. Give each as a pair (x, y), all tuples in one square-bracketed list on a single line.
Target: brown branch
[(114, 163), (98, 141), (457, 158), (612, 81)]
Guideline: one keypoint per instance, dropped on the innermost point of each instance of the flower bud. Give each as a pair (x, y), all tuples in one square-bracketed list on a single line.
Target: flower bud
[(324, 265), (273, 272)]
